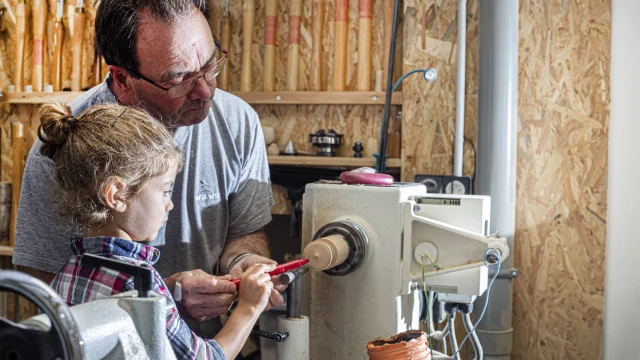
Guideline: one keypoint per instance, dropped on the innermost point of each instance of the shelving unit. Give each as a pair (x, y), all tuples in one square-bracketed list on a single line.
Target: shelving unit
[(329, 161), (261, 98), (253, 98), (6, 250)]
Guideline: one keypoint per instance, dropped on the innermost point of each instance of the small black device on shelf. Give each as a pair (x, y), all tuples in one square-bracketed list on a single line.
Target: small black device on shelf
[(357, 147), (326, 142)]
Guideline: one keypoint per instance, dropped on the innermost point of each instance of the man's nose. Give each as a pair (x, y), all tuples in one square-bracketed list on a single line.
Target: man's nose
[(203, 89)]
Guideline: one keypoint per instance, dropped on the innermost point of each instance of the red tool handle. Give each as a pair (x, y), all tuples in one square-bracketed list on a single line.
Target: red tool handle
[(280, 269)]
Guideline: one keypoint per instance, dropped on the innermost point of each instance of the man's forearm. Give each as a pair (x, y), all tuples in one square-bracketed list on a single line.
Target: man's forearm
[(254, 243)]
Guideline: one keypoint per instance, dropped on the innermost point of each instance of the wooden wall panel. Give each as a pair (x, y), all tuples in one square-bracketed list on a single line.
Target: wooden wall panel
[(562, 148), (562, 175)]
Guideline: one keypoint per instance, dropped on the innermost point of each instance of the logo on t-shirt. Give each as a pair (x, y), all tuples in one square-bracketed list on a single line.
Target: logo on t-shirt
[(207, 196)]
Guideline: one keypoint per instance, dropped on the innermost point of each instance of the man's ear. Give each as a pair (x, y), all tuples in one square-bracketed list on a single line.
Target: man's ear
[(121, 79), (113, 195)]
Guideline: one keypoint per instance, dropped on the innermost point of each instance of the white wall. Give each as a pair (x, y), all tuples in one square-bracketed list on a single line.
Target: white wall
[(622, 280)]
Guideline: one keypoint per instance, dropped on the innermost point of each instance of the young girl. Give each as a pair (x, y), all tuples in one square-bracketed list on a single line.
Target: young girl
[(116, 168)]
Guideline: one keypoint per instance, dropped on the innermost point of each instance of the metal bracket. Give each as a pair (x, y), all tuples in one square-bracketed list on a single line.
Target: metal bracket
[(276, 336), (507, 273)]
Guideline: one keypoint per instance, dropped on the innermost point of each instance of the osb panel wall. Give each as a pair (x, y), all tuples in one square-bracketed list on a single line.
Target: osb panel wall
[(22, 113), (562, 175), (358, 123), (562, 149)]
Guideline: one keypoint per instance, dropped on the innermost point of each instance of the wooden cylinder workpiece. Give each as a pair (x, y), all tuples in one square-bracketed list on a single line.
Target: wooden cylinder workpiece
[(39, 24), (76, 42), (270, 31), (293, 58), (225, 37), (316, 80), (340, 42), (364, 45), (21, 32), (326, 253), (248, 16)]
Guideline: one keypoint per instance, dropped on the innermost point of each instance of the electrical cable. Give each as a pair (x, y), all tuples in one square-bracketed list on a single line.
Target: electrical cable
[(424, 283), (496, 266), (381, 161), (452, 333), (475, 342)]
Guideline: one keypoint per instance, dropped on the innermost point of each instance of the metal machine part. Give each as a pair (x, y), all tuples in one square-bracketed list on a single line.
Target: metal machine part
[(356, 240), (124, 326), (326, 142), (401, 223), (62, 339)]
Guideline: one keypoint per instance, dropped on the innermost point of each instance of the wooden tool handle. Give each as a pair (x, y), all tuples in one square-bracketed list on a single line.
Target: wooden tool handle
[(270, 31), (39, 23), (225, 36), (248, 16), (16, 178), (364, 46), (316, 81), (388, 22), (58, 41), (76, 42), (340, 52), (97, 68), (21, 32), (293, 58)]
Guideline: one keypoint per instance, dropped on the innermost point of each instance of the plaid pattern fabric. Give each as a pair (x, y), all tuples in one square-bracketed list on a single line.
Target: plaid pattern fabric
[(77, 283)]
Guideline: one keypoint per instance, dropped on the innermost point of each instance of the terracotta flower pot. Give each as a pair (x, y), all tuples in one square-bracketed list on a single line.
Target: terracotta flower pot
[(409, 345)]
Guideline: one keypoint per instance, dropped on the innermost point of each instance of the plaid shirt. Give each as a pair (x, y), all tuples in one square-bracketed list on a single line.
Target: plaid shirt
[(78, 283)]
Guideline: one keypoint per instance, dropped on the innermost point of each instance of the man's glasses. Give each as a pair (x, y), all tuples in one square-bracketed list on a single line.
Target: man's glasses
[(185, 87)]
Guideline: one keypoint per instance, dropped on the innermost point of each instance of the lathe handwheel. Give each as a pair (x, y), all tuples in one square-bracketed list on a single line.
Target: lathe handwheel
[(17, 341)]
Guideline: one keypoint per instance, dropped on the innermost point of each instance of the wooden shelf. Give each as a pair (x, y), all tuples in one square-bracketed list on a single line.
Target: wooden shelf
[(253, 98), (38, 97), (329, 161), (6, 250), (318, 98)]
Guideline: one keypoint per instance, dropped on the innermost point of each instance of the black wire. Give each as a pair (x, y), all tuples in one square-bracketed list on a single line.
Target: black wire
[(381, 163)]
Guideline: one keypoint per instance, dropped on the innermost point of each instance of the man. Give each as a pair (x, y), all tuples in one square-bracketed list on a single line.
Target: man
[(162, 57)]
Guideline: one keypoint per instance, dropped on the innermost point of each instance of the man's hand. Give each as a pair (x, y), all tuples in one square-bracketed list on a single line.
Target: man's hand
[(275, 299), (203, 296)]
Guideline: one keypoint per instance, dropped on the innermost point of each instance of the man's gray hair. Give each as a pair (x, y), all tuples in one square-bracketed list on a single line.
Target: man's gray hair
[(117, 25)]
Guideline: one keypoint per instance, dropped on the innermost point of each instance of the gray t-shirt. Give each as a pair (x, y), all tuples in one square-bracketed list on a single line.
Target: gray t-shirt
[(222, 193)]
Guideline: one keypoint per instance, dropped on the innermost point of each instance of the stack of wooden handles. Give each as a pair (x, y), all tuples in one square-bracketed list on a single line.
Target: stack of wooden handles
[(248, 15), (293, 54), (77, 32)]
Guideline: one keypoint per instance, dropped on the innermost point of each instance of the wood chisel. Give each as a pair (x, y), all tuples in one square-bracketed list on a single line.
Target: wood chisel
[(248, 16), (364, 45), (293, 60), (58, 42), (340, 42), (316, 80), (39, 24), (77, 42), (270, 31), (225, 36), (21, 32)]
